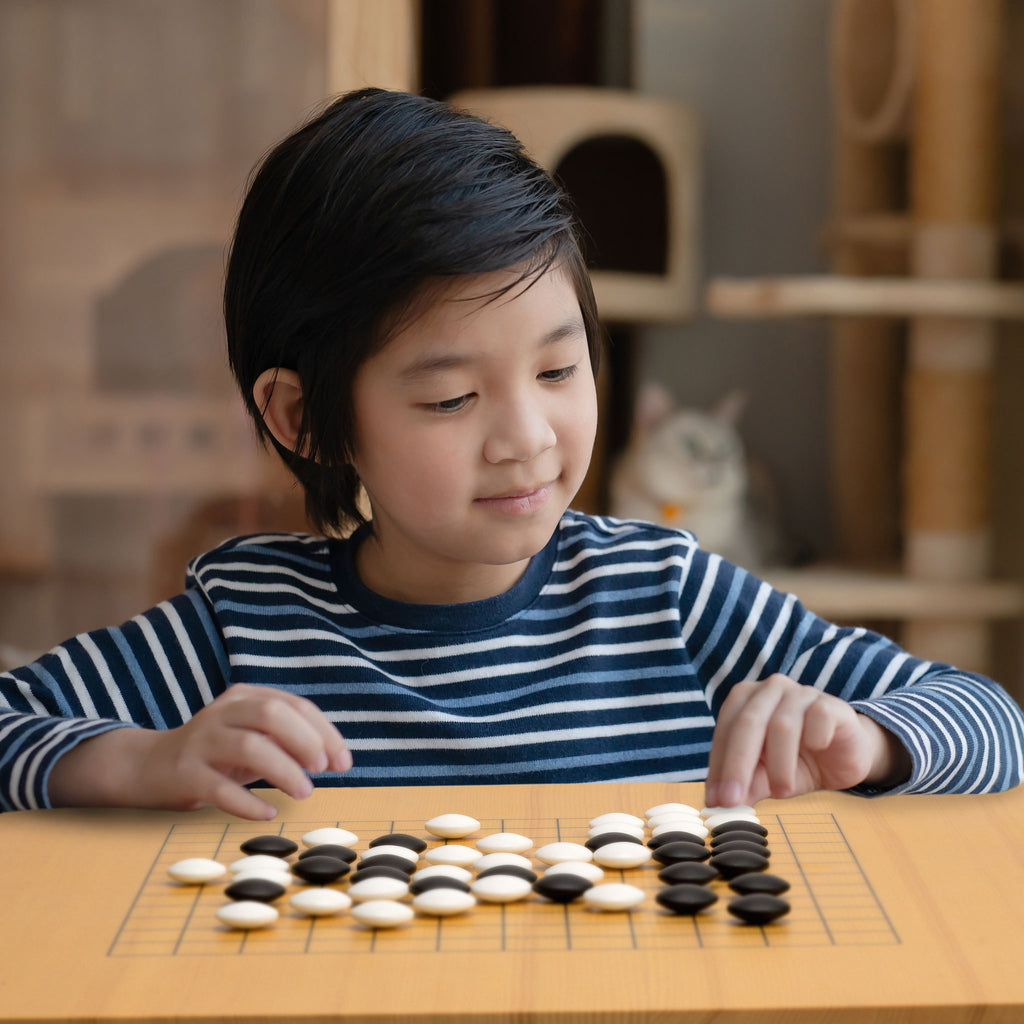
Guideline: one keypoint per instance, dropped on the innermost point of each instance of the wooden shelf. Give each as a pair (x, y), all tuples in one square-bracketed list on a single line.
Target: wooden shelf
[(834, 295), (856, 595)]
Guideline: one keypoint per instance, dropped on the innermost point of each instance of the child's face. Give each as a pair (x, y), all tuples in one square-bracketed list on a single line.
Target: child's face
[(474, 429)]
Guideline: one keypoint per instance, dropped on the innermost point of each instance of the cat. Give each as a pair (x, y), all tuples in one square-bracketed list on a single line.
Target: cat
[(688, 469)]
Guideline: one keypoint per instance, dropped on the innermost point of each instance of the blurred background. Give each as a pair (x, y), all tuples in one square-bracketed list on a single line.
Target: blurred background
[(809, 208)]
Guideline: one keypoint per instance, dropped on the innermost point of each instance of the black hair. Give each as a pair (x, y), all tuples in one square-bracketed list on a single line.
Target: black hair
[(345, 225)]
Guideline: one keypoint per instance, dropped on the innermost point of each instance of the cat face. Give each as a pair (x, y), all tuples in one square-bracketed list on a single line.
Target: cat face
[(693, 457)]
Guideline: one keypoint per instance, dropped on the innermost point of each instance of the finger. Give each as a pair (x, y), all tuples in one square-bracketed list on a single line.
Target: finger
[(281, 717), (784, 739), (297, 724), (235, 799), (739, 738), (336, 755), (248, 755)]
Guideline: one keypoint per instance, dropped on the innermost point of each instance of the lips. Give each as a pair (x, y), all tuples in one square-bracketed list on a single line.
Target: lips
[(519, 501)]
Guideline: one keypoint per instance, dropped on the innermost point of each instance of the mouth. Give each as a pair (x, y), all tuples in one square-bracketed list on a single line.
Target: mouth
[(518, 501)]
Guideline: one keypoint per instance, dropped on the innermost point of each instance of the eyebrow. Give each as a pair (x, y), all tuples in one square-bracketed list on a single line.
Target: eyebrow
[(430, 365)]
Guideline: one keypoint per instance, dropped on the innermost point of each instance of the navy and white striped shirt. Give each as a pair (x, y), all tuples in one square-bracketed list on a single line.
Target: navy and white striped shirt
[(608, 660)]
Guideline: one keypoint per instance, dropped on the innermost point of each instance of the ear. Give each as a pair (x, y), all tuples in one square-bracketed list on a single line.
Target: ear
[(654, 404), (278, 394), (730, 408)]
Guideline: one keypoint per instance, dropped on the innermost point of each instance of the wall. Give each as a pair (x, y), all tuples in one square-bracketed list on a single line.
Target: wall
[(756, 74)]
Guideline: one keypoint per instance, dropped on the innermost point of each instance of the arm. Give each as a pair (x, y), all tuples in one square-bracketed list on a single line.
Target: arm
[(66, 735), (889, 721)]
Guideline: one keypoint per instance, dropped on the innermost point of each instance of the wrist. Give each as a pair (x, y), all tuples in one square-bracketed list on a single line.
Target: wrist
[(102, 771), (891, 764)]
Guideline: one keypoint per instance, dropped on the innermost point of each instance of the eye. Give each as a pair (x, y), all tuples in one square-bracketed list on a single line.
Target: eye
[(450, 405), (564, 373)]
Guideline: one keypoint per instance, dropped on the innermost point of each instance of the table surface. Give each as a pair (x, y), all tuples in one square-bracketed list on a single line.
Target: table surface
[(903, 909)]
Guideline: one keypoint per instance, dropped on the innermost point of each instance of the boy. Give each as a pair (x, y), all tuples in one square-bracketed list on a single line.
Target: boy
[(408, 312)]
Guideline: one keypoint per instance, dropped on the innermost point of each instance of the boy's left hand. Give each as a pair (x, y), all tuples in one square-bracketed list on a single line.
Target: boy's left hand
[(779, 738)]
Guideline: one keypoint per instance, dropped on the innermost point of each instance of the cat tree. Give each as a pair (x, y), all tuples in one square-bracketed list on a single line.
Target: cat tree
[(935, 92)]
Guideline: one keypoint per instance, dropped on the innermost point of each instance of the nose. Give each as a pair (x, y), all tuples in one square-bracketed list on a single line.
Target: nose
[(520, 430)]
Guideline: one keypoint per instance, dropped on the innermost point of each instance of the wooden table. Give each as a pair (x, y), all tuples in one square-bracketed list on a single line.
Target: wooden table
[(903, 909)]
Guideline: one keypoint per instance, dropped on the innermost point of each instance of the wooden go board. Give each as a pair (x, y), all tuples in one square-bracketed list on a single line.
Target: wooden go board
[(902, 909)]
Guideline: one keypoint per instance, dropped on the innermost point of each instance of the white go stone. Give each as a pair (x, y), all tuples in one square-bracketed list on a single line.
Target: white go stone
[(196, 870), (453, 853), (555, 853), (619, 817), (452, 826), (320, 902), (622, 826), (501, 888), (385, 850), (378, 889), (382, 913), (613, 896), (706, 812), (505, 842), (657, 819), (450, 870), (443, 902), (247, 914), (334, 836), (724, 817), (697, 828), (590, 871), (622, 855), (258, 862), (502, 860), (662, 808)]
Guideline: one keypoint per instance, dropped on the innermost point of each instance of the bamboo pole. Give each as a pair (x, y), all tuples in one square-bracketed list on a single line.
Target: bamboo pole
[(949, 375)]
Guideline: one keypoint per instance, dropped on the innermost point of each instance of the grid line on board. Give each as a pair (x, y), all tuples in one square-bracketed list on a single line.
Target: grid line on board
[(833, 903)]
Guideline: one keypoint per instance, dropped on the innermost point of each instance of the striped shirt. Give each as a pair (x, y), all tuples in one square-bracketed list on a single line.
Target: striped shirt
[(608, 660)]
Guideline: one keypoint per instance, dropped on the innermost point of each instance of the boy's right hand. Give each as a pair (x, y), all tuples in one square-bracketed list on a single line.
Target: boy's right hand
[(248, 733)]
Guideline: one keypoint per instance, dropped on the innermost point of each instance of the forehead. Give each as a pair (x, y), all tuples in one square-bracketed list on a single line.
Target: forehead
[(477, 307)]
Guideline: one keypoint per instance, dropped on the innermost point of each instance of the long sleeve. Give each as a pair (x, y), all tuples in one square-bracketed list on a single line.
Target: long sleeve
[(154, 671), (965, 734)]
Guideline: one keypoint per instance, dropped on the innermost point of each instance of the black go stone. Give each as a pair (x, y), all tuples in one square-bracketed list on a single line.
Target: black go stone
[(674, 837), (739, 826), (685, 898), (272, 846), (437, 882), (261, 889), (758, 881), (389, 860), (692, 871), (378, 871), (673, 853), (320, 870), (738, 836), (413, 843), (510, 869), (741, 844), (737, 862), (596, 842), (758, 907), (344, 853), (563, 887)]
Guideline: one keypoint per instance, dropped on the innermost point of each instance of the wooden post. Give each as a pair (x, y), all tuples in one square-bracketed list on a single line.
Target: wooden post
[(949, 374), (871, 57), (372, 42)]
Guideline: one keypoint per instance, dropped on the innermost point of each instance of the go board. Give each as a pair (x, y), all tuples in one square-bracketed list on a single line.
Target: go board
[(833, 901), (901, 908)]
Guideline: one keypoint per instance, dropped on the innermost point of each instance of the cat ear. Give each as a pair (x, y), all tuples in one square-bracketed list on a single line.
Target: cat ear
[(730, 408), (654, 404)]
